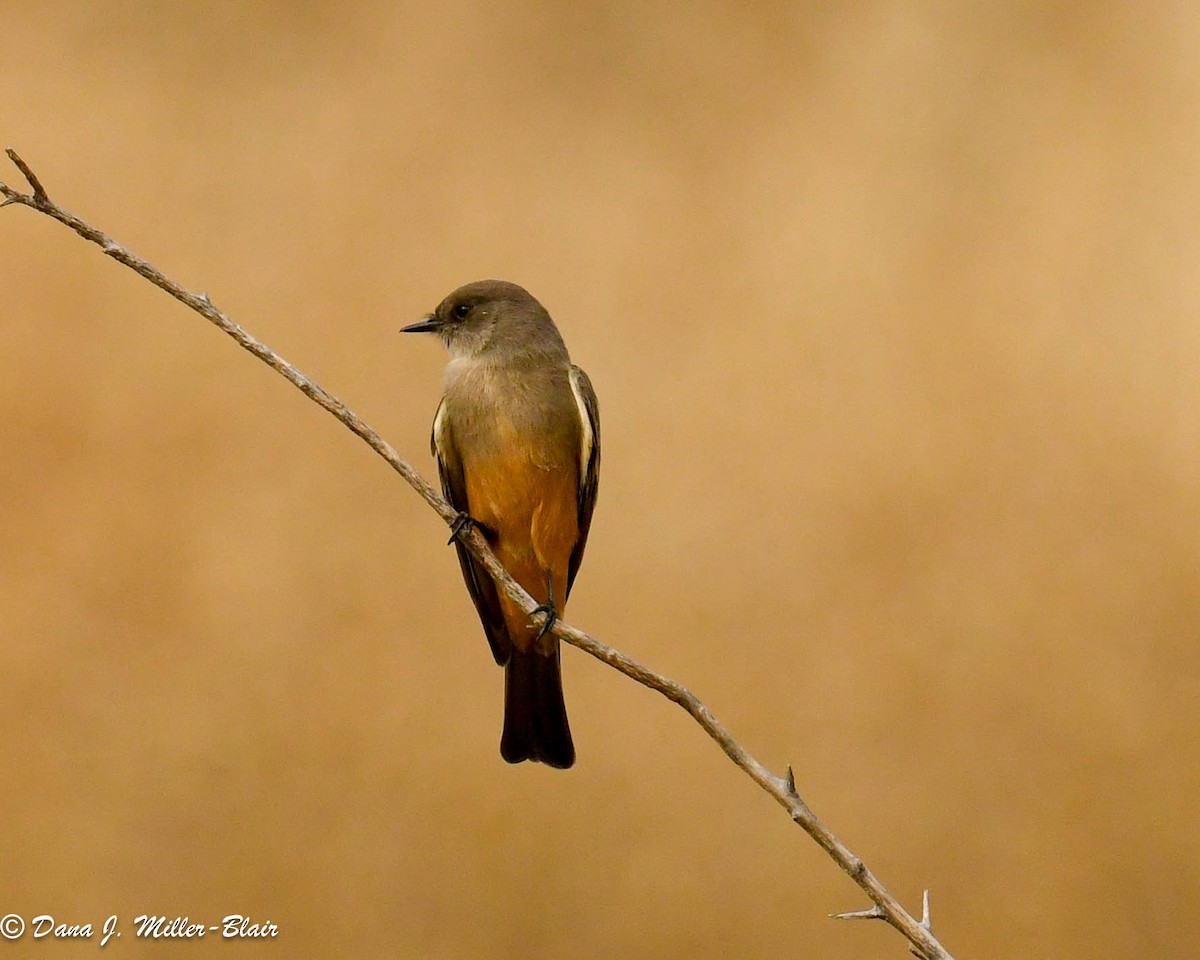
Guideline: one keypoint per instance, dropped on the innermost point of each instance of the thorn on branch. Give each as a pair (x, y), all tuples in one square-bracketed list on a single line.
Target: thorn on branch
[(39, 192), (875, 913), (789, 784)]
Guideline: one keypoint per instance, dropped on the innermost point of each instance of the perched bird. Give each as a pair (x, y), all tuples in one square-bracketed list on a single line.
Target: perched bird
[(517, 442)]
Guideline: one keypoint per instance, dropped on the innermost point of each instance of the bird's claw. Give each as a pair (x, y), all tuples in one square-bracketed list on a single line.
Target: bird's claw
[(460, 526), (551, 618), (548, 609)]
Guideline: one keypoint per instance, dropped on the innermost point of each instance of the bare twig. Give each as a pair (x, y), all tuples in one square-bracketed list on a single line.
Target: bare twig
[(782, 789)]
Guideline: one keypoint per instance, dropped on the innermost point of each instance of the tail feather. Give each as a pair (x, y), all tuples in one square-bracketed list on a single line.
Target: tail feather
[(535, 717)]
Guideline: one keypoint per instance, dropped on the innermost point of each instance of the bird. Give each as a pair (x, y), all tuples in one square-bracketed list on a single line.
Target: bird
[(516, 437)]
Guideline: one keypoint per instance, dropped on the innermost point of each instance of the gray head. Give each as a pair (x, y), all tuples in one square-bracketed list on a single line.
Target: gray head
[(492, 318)]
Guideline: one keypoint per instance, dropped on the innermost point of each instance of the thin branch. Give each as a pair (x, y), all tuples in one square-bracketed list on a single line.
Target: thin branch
[(39, 192), (782, 789)]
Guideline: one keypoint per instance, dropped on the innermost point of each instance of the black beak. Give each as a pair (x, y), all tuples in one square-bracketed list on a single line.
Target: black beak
[(429, 324)]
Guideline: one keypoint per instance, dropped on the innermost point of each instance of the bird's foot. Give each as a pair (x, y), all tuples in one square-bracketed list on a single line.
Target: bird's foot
[(461, 526), (551, 618), (548, 609)]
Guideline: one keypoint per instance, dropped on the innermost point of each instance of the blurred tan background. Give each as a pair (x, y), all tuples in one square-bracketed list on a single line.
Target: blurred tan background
[(892, 311)]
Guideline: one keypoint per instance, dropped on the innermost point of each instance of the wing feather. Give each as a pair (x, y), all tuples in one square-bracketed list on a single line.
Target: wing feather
[(589, 463)]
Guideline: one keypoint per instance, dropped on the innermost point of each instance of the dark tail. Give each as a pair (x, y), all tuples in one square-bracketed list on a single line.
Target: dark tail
[(535, 717)]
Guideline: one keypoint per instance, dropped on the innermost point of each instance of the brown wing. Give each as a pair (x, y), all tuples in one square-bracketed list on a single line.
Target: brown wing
[(479, 584), (589, 463)]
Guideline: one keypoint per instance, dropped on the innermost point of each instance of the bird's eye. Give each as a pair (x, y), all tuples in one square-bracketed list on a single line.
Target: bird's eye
[(461, 310)]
